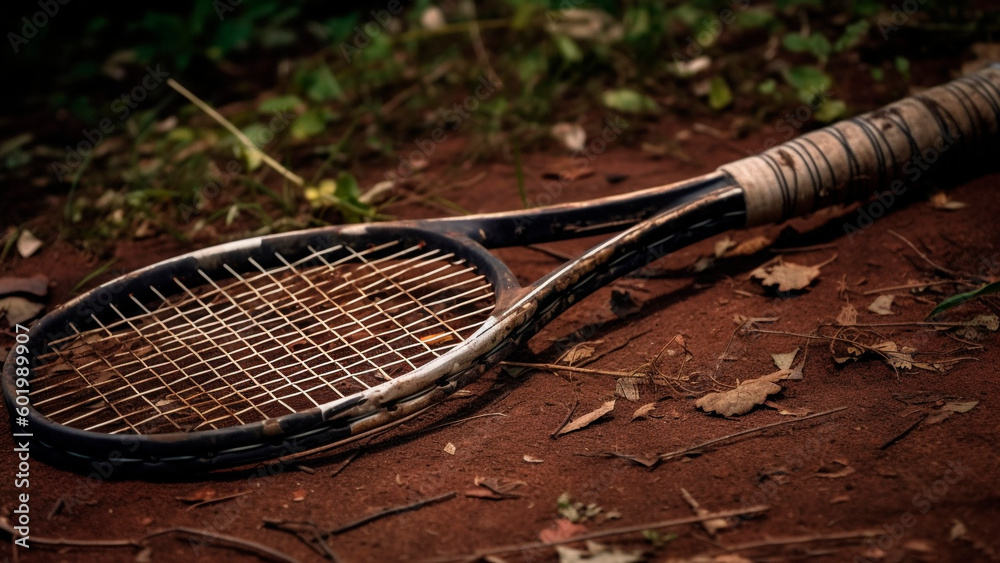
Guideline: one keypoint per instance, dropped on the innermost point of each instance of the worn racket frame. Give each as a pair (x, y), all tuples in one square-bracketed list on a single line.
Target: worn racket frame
[(241, 352)]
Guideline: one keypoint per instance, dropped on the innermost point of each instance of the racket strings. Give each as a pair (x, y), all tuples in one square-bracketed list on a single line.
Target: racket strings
[(263, 342)]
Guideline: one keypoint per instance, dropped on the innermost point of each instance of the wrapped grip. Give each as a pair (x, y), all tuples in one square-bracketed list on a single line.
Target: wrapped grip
[(949, 128)]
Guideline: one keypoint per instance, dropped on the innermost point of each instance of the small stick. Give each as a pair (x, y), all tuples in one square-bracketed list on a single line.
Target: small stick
[(218, 499), (795, 540), (287, 174), (941, 269), (601, 534), (815, 247), (554, 367), (569, 416), (389, 512), (902, 434), (460, 421), (221, 539), (713, 441), (347, 462), (910, 286), (550, 252)]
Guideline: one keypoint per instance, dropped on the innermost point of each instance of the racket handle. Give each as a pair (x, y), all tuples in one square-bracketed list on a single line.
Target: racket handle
[(949, 128)]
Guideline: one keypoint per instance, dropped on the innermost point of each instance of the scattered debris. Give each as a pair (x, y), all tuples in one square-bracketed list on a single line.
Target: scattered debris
[(561, 531), (711, 526), (784, 361), (940, 200), (588, 418), (597, 553), (744, 397), (494, 489), (839, 468), (576, 512), (449, 448), (579, 353), (882, 305), (948, 409), (528, 458), (299, 495)]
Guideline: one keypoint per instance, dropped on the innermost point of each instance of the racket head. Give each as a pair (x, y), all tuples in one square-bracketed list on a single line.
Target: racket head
[(135, 335)]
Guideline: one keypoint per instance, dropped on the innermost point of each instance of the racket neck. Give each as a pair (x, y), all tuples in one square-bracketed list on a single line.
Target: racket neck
[(576, 220), (689, 220)]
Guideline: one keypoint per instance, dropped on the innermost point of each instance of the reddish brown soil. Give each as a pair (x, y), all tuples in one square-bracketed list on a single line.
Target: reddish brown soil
[(907, 489)]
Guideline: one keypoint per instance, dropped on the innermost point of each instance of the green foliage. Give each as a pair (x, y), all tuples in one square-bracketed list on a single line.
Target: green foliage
[(956, 300)]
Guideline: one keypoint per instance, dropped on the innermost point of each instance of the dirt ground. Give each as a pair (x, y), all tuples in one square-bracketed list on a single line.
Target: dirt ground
[(839, 484)]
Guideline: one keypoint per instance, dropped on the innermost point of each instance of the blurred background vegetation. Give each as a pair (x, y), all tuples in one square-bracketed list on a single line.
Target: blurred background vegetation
[(333, 92)]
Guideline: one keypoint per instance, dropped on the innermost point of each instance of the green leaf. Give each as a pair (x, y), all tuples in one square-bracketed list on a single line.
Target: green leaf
[(903, 66), (568, 48), (830, 110), (816, 44), (719, 94), (347, 187), (279, 103), (321, 85), (853, 34), (753, 18), (955, 300), (629, 101), (767, 87), (878, 75), (810, 82), (310, 123)]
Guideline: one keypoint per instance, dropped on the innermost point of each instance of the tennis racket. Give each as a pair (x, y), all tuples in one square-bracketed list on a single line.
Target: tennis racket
[(264, 347)]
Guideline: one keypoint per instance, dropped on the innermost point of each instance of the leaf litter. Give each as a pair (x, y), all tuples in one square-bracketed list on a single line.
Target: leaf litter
[(788, 276), (744, 397)]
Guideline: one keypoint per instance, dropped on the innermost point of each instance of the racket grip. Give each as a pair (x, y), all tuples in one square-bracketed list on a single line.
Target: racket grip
[(952, 128)]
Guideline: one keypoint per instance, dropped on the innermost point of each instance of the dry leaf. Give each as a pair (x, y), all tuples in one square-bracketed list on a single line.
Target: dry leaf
[(723, 245), (562, 530), (948, 409), (748, 247), (583, 421), (711, 526), (848, 316), (494, 488), (449, 448), (743, 398), (579, 353), (958, 529), (787, 276), (571, 135), (643, 411), (882, 305), (19, 309), (784, 361), (627, 388), (27, 244), (36, 285), (532, 459)]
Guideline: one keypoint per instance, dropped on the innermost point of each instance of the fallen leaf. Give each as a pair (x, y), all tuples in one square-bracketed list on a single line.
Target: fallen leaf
[(787, 276), (494, 488), (36, 285), (579, 353), (27, 244), (449, 448), (711, 526), (784, 361), (748, 247), (948, 409), (848, 316), (18, 309), (201, 495), (882, 305), (299, 495), (643, 411), (723, 245), (958, 529), (532, 459), (940, 200), (576, 511), (597, 553), (743, 398), (847, 470), (562, 530), (627, 388), (583, 421), (571, 135)]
